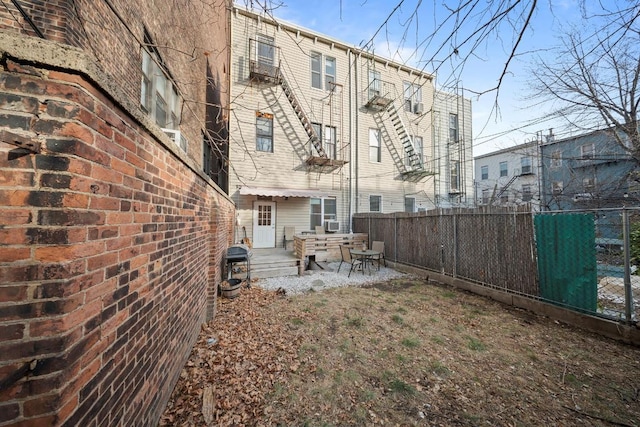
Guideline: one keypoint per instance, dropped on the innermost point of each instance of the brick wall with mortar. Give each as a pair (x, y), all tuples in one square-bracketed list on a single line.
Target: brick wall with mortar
[(190, 36), (111, 244)]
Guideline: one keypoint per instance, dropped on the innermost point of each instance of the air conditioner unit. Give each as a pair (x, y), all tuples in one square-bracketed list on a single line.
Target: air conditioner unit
[(177, 137), (418, 108), (332, 226)]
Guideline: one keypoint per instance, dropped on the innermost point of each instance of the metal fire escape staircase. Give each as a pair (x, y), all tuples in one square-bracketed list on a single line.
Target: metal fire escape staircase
[(411, 165), (318, 157), (505, 187)]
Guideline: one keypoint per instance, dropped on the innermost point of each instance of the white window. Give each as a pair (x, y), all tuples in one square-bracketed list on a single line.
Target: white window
[(484, 172), (158, 95), (264, 132), (265, 51), (409, 204), (322, 210), (412, 97), (375, 203), (485, 196), (587, 151), (455, 176), (527, 194), (316, 70), (525, 165), (504, 170), (453, 128), (329, 73), (556, 188), (330, 141), (375, 150), (317, 127), (375, 83), (418, 149), (589, 185), (556, 159)]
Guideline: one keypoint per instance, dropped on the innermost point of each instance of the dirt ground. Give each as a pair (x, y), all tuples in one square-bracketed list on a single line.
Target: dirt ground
[(403, 352)]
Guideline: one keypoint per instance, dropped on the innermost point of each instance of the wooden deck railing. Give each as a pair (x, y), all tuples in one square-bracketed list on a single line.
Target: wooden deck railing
[(326, 247)]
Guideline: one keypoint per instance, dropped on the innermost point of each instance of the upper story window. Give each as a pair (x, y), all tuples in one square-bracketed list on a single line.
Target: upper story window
[(556, 159), (525, 165), (330, 141), (413, 97), (587, 151), (556, 188), (504, 170), (317, 71), (485, 196), (455, 176), (158, 95), (453, 128), (527, 194), (418, 150), (329, 73), (484, 172), (264, 132), (375, 83), (374, 146), (265, 50)]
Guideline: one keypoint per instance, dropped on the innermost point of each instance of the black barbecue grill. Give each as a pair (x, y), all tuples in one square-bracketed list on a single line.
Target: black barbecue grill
[(238, 254)]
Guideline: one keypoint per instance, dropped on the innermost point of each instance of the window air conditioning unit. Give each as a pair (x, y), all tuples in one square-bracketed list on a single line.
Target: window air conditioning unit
[(332, 226), (177, 137), (418, 108)]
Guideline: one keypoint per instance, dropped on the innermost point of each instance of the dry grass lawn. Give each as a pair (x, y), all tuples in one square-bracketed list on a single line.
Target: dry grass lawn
[(404, 352)]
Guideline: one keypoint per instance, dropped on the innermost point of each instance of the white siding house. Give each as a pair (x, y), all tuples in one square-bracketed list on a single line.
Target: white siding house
[(320, 130), (509, 177)]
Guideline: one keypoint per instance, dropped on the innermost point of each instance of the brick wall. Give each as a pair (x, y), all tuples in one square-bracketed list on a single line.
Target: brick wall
[(111, 247)]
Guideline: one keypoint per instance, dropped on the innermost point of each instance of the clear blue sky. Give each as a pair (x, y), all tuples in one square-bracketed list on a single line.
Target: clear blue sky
[(402, 39)]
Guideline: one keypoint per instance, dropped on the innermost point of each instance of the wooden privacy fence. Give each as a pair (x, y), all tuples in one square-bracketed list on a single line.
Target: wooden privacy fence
[(493, 248)]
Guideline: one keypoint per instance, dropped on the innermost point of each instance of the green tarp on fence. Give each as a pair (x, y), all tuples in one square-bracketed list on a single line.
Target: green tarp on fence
[(567, 268)]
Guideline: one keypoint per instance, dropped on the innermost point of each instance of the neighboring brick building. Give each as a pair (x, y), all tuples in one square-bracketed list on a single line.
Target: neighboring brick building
[(112, 235)]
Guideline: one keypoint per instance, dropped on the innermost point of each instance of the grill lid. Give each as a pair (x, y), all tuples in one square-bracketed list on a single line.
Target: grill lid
[(239, 251)]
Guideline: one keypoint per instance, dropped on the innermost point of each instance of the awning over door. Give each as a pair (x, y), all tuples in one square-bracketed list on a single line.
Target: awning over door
[(283, 192)]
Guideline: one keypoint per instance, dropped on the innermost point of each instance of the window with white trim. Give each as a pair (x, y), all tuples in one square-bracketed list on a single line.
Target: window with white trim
[(322, 209), (158, 95), (412, 97), (455, 176), (375, 149), (527, 193), (484, 172), (375, 203), (556, 188), (485, 196), (264, 132), (265, 52), (556, 159), (316, 70), (409, 204), (453, 128), (330, 141), (504, 169), (375, 83), (587, 151), (320, 76), (525, 165)]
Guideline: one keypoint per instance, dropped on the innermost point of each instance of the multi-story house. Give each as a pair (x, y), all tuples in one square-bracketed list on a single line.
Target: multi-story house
[(508, 177), (453, 150), (588, 171), (320, 130)]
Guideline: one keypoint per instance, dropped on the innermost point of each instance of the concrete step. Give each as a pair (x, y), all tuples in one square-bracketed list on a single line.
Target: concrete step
[(263, 273)]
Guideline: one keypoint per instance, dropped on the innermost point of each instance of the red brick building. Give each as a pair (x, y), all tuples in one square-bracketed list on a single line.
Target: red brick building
[(114, 214)]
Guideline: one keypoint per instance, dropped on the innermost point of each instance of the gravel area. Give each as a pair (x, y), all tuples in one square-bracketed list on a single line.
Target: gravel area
[(317, 279)]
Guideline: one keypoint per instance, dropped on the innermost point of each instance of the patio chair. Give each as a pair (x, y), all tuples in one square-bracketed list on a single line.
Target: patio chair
[(345, 252), (288, 236), (378, 246)]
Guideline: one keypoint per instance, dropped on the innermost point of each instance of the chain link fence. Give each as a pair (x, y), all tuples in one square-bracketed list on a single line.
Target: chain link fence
[(581, 260)]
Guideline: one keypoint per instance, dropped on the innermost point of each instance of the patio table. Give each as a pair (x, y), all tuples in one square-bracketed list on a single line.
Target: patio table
[(365, 256)]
